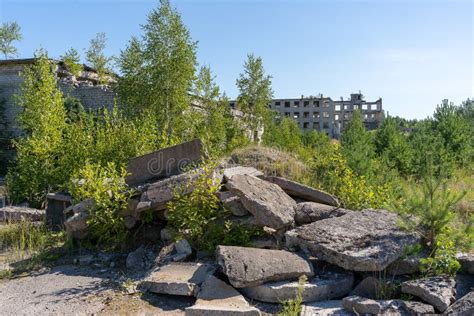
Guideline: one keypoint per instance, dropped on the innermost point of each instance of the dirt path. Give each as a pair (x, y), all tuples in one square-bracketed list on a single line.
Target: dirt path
[(66, 290)]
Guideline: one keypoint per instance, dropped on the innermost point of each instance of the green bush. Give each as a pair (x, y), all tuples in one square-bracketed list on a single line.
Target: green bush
[(443, 258), (107, 187), (293, 307)]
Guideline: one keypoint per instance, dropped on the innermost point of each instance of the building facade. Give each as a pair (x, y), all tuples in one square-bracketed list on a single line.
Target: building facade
[(326, 115)]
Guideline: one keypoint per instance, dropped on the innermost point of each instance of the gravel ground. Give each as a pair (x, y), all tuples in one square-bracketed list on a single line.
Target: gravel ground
[(76, 290)]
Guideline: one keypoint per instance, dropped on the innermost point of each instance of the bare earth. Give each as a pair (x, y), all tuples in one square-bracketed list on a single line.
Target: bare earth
[(69, 289)]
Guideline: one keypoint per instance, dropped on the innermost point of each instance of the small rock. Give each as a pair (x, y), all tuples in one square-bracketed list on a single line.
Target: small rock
[(246, 267), (239, 170), (416, 308), (324, 286), (235, 206), (302, 191), (437, 291), (85, 260), (308, 212), (76, 224), (266, 201), (462, 307), (166, 234), (177, 278), (362, 305), (183, 250), (137, 260), (218, 298)]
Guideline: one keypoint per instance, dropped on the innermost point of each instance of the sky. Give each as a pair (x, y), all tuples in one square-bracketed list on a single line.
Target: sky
[(411, 53)]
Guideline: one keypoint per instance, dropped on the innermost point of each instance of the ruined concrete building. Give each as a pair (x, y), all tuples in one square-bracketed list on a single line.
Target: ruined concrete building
[(86, 88), (326, 115)]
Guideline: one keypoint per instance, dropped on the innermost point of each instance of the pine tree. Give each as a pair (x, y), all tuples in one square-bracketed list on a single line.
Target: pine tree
[(71, 60), (96, 57)]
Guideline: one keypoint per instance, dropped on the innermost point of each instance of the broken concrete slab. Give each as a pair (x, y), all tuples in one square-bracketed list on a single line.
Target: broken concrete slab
[(163, 163), (369, 287), (462, 307), (308, 212), (56, 203), (177, 278), (240, 170), (217, 298), (232, 203), (302, 191), (368, 240), (76, 218), (246, 267), (439, 291), (18, 214), (325, 308), (270, 205), (324, 286)]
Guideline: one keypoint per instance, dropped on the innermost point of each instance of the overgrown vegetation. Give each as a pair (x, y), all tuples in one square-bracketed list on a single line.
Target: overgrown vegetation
[(293, 307)]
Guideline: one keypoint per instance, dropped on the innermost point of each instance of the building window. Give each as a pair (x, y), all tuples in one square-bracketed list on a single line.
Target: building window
[(277, 104), (315, 114), (346, 116), (305, 103), (364, 106), (305, 125), (232, 105), (325, 114), (306, 114), (316, 103), (365, 116), (326, 104), (316, 126), (296, 104), (346, 107), (336, 117), (287, 114), (296, 115), (287, 104), (337, 108), (325, 124)]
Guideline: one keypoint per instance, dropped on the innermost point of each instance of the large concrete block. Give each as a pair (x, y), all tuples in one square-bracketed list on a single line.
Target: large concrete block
[(56, 203), (163, 163)]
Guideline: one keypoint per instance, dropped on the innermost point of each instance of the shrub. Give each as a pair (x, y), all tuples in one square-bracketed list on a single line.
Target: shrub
[(107, 187), (293, 307), (443, 258)]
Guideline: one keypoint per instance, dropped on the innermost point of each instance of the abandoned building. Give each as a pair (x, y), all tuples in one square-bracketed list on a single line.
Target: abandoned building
[(326, 115), (86, 88)]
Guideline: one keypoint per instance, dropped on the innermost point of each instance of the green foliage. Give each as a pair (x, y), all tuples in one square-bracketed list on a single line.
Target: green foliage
[(432, 206), (42, 117), (96, 57), (9, 33), (158, 71), (332, 174), (255, 93), (74, 109), (443, 258), (107, 187), (191, 214), (199, 216), (293, 307), (71, 60), (357, 146)]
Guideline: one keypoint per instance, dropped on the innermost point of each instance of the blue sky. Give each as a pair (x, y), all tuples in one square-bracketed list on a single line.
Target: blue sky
[(411, 53)]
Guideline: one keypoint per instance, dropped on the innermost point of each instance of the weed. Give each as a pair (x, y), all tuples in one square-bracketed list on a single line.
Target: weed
[(293, 307)]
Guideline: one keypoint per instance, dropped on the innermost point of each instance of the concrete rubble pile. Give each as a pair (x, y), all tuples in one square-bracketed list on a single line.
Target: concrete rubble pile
[(341, 252)]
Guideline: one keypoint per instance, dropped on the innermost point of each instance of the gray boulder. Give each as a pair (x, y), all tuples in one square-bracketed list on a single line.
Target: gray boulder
[(364, 306), (467, 262), (324, 286), (76, 223), (217, 298), (308, 212), (407, 265), (140, 259), (181, 279), (368, 240), (462, 307), (302, 191), (246, 267), (371, 287), (437, 291), (270, 205)]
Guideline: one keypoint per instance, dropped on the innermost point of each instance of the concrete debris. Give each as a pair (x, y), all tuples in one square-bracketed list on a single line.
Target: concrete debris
[(438, 291)]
